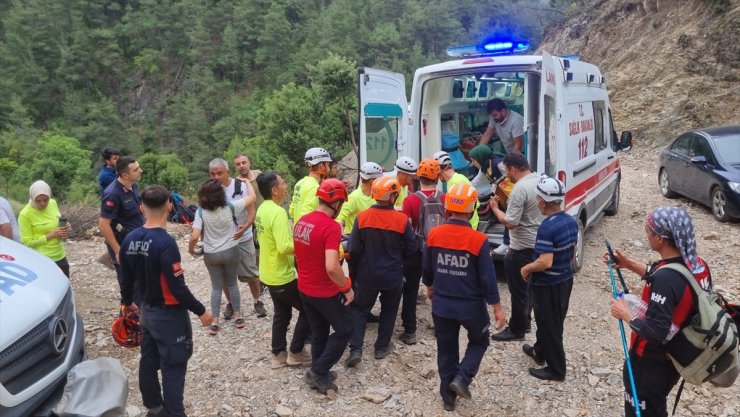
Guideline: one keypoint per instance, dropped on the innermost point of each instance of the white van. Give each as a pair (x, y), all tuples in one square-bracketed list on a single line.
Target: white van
[(41, 334), (568, 128)]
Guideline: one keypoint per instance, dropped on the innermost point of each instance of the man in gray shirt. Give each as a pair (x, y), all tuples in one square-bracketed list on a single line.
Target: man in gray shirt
[(522, 218), (508, 125)]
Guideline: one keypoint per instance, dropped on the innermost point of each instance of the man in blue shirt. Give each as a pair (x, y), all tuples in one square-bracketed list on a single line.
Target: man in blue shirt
[(108, 173), (551, 275)]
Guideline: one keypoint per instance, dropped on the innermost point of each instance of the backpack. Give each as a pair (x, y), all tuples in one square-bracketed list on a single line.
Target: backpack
[(431, 214), (707, 348), (181, 211)]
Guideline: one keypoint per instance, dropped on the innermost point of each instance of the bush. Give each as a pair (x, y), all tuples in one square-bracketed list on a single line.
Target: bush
[(166, 170)]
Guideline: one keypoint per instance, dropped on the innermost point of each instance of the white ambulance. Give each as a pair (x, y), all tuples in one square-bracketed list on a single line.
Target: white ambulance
[(568, 129)]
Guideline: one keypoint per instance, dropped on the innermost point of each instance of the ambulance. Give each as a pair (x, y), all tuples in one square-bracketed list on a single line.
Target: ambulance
[(569, 131)]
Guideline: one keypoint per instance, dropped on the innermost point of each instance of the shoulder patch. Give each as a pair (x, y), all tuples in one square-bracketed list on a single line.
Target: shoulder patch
[(177, 269), (110, 203)]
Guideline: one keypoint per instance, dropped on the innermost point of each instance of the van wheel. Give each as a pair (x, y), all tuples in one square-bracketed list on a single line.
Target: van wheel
[(665, 184), (719, 205), (614, 206), (578, 259)]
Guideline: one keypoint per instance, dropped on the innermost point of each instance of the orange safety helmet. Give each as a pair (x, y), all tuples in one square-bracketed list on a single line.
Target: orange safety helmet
[(428, 168), (383, 188), (126, 331), (331, 190), (461, 198)]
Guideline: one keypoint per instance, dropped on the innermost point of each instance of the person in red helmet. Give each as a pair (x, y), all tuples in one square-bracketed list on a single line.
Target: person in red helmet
[(325, 291)]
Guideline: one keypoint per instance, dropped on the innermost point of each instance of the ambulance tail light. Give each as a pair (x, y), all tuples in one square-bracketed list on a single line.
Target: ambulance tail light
[(561, 178)]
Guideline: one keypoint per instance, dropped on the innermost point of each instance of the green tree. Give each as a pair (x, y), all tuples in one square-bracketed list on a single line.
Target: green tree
[(166, 170), (335, 78)]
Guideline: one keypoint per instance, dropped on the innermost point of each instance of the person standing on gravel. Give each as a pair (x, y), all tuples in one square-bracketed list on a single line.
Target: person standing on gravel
[(325, 291), (278, 273), (551, 277), (359, 199), (460, 279), (304, 199), (405, 175), (522, 218), (152, 275), (106, 176), (669, 299)]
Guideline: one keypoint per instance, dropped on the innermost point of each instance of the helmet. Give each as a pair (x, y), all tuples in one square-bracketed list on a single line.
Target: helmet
[(126, 331), (406, 165), (317, 155), (428, 168), (332, 190), (383, 188), (461, 198), (370, 170), (550, 189), (443, 158)]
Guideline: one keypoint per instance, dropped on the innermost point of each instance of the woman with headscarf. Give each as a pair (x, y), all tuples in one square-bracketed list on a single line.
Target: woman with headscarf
[(491, 171), (40, 228), (669, 299)]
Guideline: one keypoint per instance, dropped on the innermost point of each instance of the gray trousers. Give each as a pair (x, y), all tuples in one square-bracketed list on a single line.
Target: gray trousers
[(222, 267)]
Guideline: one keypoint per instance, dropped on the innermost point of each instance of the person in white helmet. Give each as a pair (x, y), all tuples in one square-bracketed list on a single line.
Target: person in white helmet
[(405, 175), (360, 198), (304, 193), (448, 177), (551, 279)]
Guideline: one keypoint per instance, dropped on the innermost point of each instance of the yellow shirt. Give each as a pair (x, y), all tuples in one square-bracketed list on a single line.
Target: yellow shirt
[(462, 179), (304, 197), (276, 244), (357, 201), (401, 196), (34, 224)]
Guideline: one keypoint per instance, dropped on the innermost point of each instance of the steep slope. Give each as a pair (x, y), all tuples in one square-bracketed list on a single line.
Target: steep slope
[(670, 65)]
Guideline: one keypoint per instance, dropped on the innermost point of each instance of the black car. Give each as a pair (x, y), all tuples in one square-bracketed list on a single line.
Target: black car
[(704, 165)]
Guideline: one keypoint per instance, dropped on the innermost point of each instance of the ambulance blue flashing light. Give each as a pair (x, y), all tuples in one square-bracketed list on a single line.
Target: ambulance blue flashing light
[(487, 49)]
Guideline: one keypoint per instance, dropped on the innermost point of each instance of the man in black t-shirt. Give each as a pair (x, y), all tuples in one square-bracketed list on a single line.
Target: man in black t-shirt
[(153, 277)]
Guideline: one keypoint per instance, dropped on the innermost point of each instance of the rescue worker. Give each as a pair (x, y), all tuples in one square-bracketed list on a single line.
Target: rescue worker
[(428, 175), (381, 238), (405, 174), (120, 208), (304, 192), (359, 199), (152, 275), (449, 177), (277, 273), (460, 281), (325, 291), (551, 278)]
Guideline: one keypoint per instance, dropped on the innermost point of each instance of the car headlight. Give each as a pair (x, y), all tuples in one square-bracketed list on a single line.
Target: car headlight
[(734, 186)]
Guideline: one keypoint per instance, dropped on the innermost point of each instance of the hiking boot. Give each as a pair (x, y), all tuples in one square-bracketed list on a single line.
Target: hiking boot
[(259, 307), (321, 384), (529, 351), (460, 387), (545, 374), (298, 358), (408, 338), (449, 403), (381, 353), (355, 357), (279, 360), (229, 312)]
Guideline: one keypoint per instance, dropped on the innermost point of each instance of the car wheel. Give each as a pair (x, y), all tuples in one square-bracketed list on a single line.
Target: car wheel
[(719, 205), (665, 185), (613, 208), (578, 259)]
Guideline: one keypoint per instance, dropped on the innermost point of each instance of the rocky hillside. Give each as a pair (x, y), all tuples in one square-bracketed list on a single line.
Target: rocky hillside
[(670, 65)]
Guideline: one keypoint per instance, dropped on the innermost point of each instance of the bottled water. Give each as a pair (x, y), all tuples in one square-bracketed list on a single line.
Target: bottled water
[(638, 306)]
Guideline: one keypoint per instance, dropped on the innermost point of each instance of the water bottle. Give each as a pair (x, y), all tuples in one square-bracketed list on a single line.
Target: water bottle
[(638, 306)]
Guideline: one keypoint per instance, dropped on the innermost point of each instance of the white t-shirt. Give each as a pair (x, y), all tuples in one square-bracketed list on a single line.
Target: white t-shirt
[(241, 215), (7, 216), (219, 226), (507, 130)]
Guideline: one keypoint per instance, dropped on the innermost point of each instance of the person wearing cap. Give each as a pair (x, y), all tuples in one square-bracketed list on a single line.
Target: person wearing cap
[(551, 279), (405, 174), (304, 192), (359, 199), (460, 281), (381, 238), (508, 125), (449, 178), (325, 292)]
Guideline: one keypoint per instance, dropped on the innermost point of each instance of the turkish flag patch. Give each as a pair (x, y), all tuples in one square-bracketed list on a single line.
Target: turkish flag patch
[(177, 269), (110, 203)]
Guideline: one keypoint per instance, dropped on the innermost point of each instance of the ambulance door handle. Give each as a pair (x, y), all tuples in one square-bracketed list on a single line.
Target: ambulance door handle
[(610, 157)]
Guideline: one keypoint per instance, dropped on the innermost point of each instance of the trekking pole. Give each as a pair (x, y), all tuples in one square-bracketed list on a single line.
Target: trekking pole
[(614, 260), (636, 402)]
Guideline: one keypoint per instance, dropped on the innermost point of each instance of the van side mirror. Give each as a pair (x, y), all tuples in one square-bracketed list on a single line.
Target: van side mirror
[(625, 141)]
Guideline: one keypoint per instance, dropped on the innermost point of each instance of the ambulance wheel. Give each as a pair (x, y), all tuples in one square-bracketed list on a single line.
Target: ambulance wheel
[(578, 259), (665, 184), (614, 206)]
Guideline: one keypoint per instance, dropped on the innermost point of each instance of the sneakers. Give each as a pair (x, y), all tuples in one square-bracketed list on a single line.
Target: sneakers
[(355, 357), (239, 323), (213, 329), (299, 358), (501, 249), (529, 351), (259, 307), (279, 360), (228, 312), (381, 353), (321, 384), (408, 338), (506, 336), (460, 387)]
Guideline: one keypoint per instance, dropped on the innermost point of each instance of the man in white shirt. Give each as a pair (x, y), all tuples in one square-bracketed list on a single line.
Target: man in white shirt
[(508, 125)]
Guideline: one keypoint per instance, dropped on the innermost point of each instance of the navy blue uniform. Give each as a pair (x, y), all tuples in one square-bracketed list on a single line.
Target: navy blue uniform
[(457, 264), (153, 276), (380, 239), (123, 207)]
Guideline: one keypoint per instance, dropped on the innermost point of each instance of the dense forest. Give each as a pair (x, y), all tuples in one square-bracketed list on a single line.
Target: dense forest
[(178, 82)]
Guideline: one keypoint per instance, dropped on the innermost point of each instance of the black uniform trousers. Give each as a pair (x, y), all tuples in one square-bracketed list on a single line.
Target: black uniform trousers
[(323, 313), (447, 332), (361, 306), (521, 308), (550, 305), (412, 278), (166, 346), (285, 298), (654, 380)]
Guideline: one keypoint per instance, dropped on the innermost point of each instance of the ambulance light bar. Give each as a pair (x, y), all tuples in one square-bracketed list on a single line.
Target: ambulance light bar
[(502, 47)]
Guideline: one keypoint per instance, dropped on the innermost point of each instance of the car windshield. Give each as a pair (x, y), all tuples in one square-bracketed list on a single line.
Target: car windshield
[(728, 148)]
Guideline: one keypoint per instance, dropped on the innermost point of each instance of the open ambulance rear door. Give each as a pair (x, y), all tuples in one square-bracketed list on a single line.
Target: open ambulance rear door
[(383, 116)]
